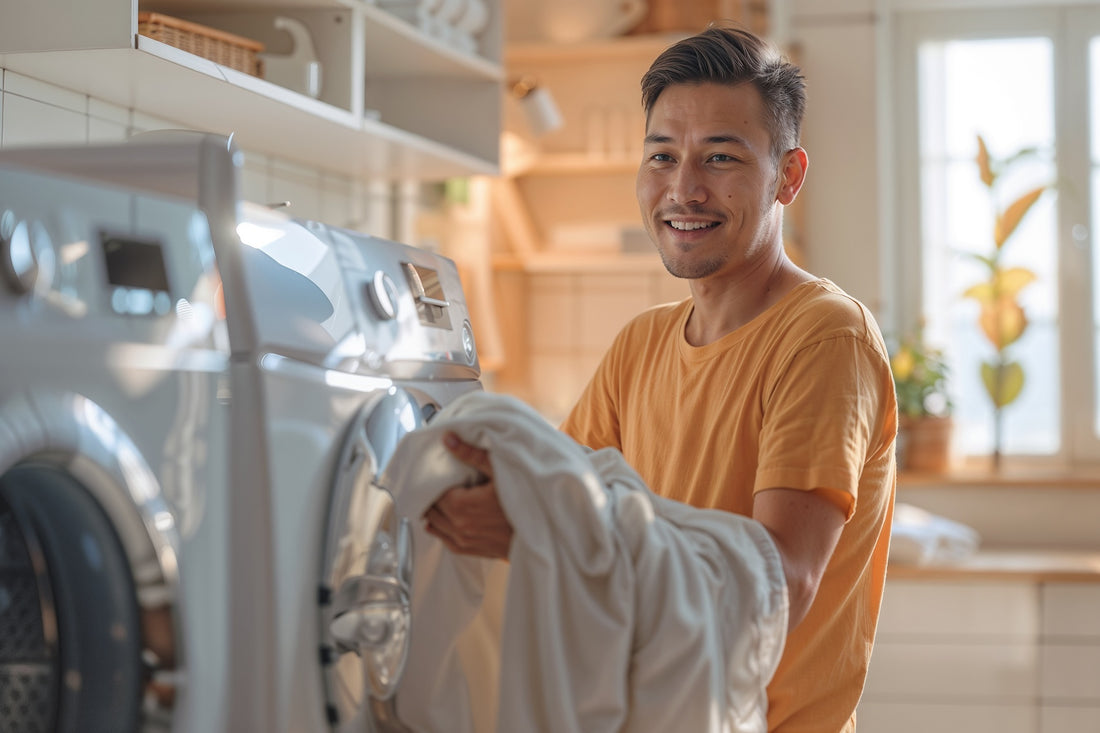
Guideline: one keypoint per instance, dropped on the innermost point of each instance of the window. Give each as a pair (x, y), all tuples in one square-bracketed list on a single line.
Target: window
[(1018, 78)]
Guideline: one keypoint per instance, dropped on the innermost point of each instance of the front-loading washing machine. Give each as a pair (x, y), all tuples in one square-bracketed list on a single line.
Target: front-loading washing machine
[(195, 396)]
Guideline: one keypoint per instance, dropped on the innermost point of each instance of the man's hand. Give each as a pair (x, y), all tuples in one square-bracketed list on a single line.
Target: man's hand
[(469, 519)]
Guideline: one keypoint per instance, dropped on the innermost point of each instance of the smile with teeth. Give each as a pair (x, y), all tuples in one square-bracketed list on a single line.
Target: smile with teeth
[(690, 226)]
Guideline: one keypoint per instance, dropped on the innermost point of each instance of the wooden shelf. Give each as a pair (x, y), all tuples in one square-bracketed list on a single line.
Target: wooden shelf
[(641, 46), (569, 164)]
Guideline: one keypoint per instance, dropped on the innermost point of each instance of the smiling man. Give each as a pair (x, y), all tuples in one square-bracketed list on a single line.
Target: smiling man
[(767, 393)]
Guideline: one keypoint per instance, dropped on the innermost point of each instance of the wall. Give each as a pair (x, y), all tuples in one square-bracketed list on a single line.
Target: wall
[(835, 44), (35, 113)]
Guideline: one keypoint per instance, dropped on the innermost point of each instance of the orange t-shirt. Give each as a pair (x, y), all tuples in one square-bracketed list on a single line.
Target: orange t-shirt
[(802, 398)]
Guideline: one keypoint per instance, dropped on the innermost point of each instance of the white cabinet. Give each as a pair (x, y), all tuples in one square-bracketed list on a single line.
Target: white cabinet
[(1070, 661), (985, 655), (395, 103)]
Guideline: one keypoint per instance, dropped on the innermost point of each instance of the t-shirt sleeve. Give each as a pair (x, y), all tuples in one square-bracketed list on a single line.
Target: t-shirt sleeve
[(827, 414)]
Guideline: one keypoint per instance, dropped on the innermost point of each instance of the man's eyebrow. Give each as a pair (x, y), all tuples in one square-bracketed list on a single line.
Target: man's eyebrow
[(732, 139), (657, 138)]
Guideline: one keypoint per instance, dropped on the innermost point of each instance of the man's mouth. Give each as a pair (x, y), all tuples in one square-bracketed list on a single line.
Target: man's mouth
[(690, 226)]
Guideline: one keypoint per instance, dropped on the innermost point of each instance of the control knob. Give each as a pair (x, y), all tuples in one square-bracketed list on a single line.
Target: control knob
[(382, 292)]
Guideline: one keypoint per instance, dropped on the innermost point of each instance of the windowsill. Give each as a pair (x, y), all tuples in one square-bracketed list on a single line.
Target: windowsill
[(1011, 475)]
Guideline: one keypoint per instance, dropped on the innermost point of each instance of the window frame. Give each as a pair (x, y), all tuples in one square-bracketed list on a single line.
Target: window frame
[(1069, 26)]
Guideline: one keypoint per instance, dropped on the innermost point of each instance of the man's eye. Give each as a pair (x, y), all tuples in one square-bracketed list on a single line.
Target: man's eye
[(661, 157), (722, 158)]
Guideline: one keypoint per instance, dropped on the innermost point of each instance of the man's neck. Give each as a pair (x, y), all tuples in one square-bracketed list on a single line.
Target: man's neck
[(723, 307)]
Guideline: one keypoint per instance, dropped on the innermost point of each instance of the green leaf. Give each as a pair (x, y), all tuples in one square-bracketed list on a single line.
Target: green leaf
[(1003, 382), (989, 262)]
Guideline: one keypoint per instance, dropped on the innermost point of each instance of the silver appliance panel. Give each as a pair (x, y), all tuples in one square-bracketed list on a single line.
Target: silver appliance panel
[(410, 305), (98, 260)]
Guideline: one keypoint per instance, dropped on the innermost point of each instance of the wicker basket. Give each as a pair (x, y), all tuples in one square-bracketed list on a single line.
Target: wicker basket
[(218, 46)]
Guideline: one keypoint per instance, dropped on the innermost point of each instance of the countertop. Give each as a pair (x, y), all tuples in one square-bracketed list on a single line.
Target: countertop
[(1038, 565)]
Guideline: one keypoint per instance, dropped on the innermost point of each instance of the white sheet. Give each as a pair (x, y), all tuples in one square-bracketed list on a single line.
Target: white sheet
[(618, 610)]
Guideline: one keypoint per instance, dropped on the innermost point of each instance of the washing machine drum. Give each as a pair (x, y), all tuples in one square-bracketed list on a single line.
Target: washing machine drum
[(64, 580), (366, 582)]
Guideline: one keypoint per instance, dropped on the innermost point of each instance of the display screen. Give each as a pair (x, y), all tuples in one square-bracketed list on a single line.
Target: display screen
[(137, 275)]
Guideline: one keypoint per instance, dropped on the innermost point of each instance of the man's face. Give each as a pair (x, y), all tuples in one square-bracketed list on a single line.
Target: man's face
[(707, 186)]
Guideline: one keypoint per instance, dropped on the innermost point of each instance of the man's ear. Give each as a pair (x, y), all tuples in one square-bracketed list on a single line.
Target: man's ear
[(792, 174)]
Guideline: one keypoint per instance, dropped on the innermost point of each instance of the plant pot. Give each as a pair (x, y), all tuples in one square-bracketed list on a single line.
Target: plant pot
[(924, 444)]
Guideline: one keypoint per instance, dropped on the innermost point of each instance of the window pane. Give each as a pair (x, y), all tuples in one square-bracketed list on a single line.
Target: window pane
[(1094, 213), (1001, 89)]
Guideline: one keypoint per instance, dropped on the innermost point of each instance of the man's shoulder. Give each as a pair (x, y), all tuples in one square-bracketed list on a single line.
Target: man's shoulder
[(823, 306)]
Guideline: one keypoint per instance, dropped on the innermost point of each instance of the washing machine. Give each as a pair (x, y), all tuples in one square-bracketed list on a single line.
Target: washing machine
[(196, 394)]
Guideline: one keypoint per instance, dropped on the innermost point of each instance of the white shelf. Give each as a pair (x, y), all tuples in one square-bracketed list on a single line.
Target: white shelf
[(397, 49), (165, 82), (375, 60)]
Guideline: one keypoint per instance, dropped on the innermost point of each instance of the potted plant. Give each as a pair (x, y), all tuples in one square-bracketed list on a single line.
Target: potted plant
[(924, 405), (1001, 316)]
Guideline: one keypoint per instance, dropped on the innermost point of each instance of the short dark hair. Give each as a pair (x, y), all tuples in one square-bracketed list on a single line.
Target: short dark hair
[(732, 56)]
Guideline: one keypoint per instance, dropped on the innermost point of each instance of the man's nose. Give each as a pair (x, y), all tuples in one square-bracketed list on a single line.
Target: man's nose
[(686, 185)]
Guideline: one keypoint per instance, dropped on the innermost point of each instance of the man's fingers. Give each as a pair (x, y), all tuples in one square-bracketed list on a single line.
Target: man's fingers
[(471, 455)]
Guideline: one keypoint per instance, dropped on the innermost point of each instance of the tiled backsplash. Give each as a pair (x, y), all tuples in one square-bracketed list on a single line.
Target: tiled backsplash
[(35, 113), (567, 321)]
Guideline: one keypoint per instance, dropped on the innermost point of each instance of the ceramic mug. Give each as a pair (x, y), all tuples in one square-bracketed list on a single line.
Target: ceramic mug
[(569, 21)]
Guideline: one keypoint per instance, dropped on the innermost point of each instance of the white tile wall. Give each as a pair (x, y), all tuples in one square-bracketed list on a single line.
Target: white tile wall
[(35, 113), (107, 123), (607, 302), (572, 318), (552, 314)]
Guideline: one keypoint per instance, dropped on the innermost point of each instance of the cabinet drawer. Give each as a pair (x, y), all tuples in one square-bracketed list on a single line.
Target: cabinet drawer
[(923, 717), (1071, 609), (953, 671), (1071, 672), (1068, 719), (972, 609)]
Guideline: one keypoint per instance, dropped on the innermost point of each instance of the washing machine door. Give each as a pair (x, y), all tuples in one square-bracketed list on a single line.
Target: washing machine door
[(367, 573)]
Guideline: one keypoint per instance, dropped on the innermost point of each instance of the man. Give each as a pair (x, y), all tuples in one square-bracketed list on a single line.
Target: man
[(767, 393)]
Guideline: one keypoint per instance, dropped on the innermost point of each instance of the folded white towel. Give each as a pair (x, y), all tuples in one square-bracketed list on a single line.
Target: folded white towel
[(622, 611), (919, 537)]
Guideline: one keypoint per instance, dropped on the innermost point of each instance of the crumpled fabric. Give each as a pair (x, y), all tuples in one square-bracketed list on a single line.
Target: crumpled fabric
[(618, 610)]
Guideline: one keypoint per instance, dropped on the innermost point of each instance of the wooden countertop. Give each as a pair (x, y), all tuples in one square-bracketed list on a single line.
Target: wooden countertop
[(1063, 566)]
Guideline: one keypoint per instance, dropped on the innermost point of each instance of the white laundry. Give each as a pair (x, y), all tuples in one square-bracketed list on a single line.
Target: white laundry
[(920, 537), (618, 610)]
